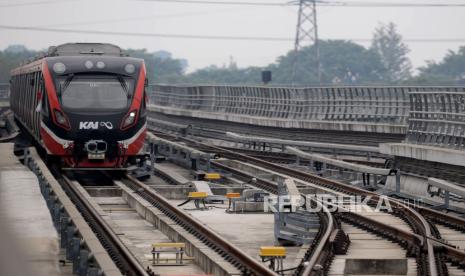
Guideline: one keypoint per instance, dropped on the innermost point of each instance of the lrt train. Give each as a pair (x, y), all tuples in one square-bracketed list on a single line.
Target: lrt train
[(84, 104)]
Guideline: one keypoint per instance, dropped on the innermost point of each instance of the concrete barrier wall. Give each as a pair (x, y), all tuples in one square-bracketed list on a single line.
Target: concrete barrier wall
[(354, 104), (437, 118), (368, 109)]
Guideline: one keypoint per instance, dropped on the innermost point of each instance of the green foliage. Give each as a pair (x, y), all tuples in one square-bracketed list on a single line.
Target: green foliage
[(341, 61), (10, 58), (225, 75), (449, 71), (387, 43), (161, 67)]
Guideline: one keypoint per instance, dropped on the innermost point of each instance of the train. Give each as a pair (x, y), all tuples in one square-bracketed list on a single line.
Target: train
[(83, 105)]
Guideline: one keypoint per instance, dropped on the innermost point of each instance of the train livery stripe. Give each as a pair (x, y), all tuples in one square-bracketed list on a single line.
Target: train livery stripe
[(54, 144), (136, 142), (51, 91), (137, 100)]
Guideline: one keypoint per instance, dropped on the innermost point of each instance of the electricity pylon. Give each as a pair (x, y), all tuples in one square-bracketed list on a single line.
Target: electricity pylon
[(306, 34)]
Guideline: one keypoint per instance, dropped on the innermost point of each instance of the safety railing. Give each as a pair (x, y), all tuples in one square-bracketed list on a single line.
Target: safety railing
[(434, 115), (4, 92), (437, 118), (358, 104)]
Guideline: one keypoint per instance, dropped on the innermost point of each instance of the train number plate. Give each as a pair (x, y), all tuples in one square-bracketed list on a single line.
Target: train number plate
[(96, 156)]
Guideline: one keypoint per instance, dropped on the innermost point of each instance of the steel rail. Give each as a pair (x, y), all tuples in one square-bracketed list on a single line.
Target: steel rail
[(119, 253), (248, 264), (418, 223), (321, 251)]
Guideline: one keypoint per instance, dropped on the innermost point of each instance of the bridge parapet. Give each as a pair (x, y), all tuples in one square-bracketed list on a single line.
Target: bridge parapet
[(348, 104), (437, 118), (4, 95)]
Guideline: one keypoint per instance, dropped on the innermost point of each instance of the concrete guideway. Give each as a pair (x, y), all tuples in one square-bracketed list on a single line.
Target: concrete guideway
[(340, 163), (425, 152), (372, 109), (283, 123), (26, 219), (259, 139)]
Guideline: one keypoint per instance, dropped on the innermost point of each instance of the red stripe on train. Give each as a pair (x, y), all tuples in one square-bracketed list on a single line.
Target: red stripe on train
[(135, 147)]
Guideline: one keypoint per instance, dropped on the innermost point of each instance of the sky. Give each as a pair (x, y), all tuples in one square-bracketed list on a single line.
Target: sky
[(155, 17)]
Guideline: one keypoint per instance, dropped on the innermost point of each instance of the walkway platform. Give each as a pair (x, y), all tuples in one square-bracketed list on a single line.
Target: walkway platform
[(284, 123), (424, 152), (26, 222)]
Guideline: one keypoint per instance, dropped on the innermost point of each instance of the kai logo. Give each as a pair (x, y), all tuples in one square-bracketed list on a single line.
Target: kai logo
[(95, 125)]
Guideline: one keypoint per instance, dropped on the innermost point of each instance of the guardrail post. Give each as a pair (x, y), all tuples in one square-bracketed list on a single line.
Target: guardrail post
[(446, 199), (398, 181), (83, 262), (153, 156), (56, 214), (76, 254), (69, 242), (65, 222), (26, 157), (93, 271), (208, 165)]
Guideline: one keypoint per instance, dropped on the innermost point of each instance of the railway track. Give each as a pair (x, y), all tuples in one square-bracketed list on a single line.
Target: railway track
[(125, 260), (433, 255), (118, 252), (122, 257), (216, 129), (287, 158), (245, 263), (213, 130), (432, 169)]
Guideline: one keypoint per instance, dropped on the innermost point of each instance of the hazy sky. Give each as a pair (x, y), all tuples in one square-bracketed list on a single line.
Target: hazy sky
[(139, 16)]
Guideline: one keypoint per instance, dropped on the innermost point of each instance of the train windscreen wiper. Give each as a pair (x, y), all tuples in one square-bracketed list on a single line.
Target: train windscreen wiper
[(124, 85), (66, 83)]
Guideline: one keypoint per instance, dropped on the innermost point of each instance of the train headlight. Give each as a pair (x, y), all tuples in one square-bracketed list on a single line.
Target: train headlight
[(61, 119), (59, 68), (100, 64), (89, 64), (129, 68), (129, 119)]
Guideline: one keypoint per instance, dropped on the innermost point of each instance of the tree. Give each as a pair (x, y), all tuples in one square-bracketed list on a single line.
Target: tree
[(342, 62), (387, 43), (161, 67), (449, 71), (11, 58)]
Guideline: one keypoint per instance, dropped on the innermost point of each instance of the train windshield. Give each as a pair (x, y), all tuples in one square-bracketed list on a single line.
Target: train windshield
[(96, 92)]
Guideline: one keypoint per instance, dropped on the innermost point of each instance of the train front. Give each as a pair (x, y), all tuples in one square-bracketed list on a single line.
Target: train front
[(97, 110)]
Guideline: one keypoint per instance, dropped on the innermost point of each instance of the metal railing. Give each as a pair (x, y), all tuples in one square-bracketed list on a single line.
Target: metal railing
[(434, 115), (437, 118), (4, 92), (357, 104)]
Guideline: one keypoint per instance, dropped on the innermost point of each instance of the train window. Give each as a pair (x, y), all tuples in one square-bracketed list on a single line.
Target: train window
[(95, 92), (45, 109), (143, 108)]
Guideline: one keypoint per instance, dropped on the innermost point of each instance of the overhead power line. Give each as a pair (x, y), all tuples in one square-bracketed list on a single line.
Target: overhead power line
[(319, 3), (359, 4), (25, 4), (212, 37), (241, 3)]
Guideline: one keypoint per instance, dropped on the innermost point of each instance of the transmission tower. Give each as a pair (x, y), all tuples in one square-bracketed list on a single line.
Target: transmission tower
[(306, 34)]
